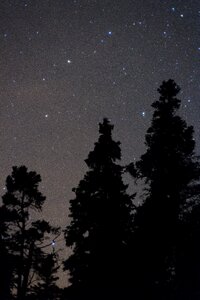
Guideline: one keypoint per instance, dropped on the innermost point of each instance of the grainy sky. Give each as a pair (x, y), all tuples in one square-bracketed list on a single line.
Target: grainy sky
[(66, 64)]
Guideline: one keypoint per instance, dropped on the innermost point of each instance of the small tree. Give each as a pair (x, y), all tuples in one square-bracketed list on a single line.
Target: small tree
[(168, 167), (6, 259), (24, 238), (101, 225), (46, 288)]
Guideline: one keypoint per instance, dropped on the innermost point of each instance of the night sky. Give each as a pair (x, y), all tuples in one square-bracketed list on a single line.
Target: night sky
[(64, 65)]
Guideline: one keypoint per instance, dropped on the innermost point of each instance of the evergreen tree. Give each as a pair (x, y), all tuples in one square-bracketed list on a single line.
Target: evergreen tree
[(6, 259), (46, 288), (101, 225), (23, 238), (188, 250), (168, 167)]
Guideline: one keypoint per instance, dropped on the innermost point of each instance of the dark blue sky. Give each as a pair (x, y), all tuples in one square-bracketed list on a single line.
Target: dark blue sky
[(67, 64)]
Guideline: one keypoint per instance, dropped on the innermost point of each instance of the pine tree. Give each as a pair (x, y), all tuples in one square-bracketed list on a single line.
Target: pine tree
[(168, 167), (188, 249), (46, 288), (6, 259), (24, 238), (101, 225)]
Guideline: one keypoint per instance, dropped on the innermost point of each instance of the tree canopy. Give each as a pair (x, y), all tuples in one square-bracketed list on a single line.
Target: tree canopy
[(169, 168), (101, 220), (22, 237)]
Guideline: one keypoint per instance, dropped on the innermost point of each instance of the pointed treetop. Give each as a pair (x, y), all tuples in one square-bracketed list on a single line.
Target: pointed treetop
[(167, 101), (169, 89), (106, 149), (105, 128)]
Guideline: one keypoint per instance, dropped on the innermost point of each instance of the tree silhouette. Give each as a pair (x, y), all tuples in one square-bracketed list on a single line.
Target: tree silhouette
[(46, 288), (188, 257), (24, 238), (101, 225), (168, 167), (6, 259)]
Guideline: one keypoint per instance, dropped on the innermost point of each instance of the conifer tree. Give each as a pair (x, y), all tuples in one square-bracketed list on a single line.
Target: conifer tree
[(6, 259), (168, 167), (101, 221), (23, 237), (46, 288), (188, 249)]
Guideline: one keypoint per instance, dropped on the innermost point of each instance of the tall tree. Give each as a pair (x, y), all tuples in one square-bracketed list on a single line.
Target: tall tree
[(168, 167), (24, 237), (188, 254), (101, 225)]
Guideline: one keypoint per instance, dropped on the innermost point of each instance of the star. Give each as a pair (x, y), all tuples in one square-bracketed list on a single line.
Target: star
[(83, 63)]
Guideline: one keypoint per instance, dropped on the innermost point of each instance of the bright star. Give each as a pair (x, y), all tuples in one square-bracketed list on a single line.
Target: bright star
[(143, 113)]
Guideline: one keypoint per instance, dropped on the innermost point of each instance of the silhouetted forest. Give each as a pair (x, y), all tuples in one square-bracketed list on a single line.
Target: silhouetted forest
[(119, 249)]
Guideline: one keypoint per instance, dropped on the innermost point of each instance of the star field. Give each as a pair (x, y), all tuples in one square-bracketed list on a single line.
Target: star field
[(67, 64)]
